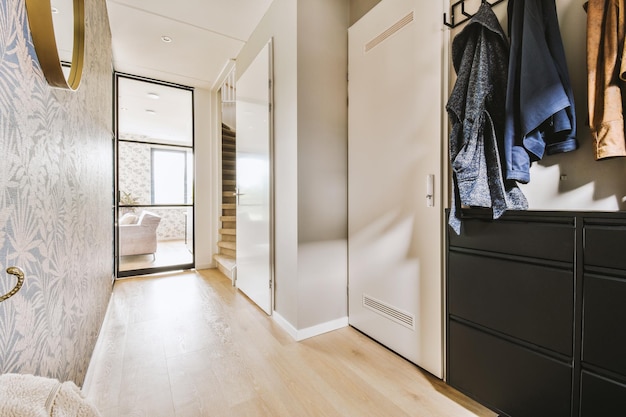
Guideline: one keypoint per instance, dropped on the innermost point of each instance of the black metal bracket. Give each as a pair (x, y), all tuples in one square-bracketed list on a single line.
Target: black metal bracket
[(467, 16)]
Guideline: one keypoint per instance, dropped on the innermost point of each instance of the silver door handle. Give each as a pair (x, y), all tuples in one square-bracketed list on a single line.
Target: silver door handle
[(236, 194), (430, 193)]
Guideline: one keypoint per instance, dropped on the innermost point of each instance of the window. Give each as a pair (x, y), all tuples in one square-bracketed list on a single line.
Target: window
[(169, 176)]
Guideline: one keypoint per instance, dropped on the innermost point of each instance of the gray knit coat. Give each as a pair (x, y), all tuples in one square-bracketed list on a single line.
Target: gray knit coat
[(476, 109)]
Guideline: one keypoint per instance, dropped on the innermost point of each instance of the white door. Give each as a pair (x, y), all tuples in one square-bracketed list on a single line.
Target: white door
[(395, 161), (254, 176)]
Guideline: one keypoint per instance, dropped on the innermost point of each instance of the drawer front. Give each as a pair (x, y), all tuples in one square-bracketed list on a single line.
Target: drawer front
[(530, 302), (543, 240), (604, 338), (507, 377), (604, 246), (601, 397)]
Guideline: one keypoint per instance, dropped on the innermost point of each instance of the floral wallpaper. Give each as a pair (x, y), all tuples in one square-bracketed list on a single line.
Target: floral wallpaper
[(134, 170), (55, 201), (135, 178)]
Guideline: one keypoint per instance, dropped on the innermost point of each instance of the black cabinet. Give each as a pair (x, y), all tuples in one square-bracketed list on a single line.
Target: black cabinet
[(604, 325), (507, 376), (602, 397), (530, 302), (603, 381), (536, 312)]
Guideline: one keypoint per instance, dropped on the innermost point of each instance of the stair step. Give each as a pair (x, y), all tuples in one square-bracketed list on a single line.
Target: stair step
[(227, 261), (229, 238), (228, 252), (226, 264), (227, 245)]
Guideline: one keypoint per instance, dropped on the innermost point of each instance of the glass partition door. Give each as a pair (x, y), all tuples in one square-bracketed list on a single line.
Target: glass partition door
[(154, 177)]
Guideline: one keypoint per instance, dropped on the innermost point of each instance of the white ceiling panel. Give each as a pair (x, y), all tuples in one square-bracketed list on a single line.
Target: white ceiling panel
[(206, 35), (194, 57), (233, 18)]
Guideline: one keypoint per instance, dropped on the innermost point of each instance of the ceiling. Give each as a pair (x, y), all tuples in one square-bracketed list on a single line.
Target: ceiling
[(205, 36)]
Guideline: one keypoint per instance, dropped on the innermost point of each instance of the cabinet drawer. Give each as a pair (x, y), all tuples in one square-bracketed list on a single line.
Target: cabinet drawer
[(552, 241), (604, 246), (604, 338), (530, 302), (601, 397), (507, 377)]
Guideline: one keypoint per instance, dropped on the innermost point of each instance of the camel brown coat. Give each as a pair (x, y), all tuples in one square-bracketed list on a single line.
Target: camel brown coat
[(606, 68)]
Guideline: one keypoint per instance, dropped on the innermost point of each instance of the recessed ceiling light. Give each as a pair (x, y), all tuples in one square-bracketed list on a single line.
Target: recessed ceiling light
[(153, 96), (166, 39), (150, 111)]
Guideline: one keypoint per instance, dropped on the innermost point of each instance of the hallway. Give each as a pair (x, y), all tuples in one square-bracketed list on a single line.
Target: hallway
[(189, 345)]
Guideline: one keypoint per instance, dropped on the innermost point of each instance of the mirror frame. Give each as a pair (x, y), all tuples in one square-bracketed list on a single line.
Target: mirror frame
[(42, 31)]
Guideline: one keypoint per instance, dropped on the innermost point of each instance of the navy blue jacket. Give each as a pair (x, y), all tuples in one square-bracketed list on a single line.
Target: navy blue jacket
[(540, 114)]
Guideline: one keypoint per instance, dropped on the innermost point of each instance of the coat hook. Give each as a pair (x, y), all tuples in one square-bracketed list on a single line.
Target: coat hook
[(14, 270)]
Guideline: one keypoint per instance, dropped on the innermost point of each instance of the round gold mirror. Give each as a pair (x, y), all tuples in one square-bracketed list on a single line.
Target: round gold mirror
[(48, 28)]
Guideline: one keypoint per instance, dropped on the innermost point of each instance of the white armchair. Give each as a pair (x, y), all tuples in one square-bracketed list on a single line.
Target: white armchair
[(138, 238)]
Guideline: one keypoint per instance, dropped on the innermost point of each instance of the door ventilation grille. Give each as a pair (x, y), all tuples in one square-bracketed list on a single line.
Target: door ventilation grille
[(393, 29), (390, 312)]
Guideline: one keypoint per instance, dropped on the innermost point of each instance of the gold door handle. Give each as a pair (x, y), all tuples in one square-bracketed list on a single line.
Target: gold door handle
[(14, 270)]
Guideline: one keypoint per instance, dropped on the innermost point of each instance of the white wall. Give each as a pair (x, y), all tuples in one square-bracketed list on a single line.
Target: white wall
[(587, 184), (322, 160), (280, 22), (310, 138), (590, 184), (358, 8), (207, 179)]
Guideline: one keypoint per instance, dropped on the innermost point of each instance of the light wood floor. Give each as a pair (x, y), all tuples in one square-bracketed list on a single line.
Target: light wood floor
[(190, 345), (169, 252)]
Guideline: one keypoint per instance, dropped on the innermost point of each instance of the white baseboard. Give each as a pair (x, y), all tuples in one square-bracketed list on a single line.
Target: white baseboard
[(285, 325), (211, 265), (309, 332), (96, 353)]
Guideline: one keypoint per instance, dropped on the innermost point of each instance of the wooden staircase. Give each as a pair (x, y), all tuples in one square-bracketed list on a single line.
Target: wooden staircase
[(227, 245)]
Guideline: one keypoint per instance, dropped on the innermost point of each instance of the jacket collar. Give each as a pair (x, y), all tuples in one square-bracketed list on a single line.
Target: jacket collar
[(484, 18)]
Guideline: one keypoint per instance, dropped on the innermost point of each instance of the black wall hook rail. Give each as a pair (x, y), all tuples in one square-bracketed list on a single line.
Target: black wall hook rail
[(467, 16)]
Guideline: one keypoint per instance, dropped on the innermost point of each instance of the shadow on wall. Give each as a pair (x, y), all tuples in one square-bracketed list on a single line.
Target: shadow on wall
[(574, 180)]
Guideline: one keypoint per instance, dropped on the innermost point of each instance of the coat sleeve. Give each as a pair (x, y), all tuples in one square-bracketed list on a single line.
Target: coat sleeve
[(605, 46)]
